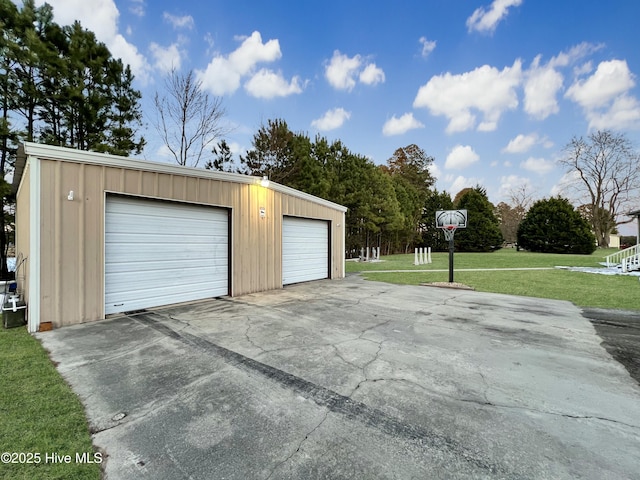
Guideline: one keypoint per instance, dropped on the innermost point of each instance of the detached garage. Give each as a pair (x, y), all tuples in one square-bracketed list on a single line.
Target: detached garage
[(105, 235)]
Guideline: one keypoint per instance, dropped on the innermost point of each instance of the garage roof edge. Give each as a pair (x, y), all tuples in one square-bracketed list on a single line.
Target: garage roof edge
[(50, 152)]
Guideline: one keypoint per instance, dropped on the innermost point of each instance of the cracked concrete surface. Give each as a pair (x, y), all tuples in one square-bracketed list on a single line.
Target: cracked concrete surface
[(354, 379)]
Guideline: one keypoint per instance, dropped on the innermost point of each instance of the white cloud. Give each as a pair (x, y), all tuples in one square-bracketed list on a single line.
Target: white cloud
[(543, 82), (612, 78), (605, 98), (269, 84), (224, 73), (461, 157), (624, 113), (137, 8), (101, 17), (461, 182), (398, 126), (220, 77), (575, 53), (208, 38), (434, 170), (584, 69), (252, 51), (166, 59), (428, 46), (332, 119), (372, 75), (486, 20), (521, 143), (342, 71), (564, 184), (185, 21), (511, 183), (164, 153), (236, 149), (485, 89), (538, 165), (541, 86)]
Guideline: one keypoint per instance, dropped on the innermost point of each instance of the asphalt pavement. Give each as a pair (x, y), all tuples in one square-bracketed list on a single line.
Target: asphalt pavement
[(354, 379)]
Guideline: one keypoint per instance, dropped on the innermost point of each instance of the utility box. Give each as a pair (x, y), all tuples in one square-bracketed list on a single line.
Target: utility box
[(13, 313)]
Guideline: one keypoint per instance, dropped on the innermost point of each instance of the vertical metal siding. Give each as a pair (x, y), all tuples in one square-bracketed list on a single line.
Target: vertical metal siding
[(23, 237)]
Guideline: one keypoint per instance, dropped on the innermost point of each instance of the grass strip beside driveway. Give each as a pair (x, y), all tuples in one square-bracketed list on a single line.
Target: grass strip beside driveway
[(583, 289), (39, 414), (503, 258)]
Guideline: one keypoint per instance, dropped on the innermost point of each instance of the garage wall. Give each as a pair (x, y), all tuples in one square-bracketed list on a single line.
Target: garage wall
[(72, 232), (23, 228)]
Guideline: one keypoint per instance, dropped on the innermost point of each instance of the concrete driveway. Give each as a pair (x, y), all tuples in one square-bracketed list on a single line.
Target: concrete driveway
[(354, 379)]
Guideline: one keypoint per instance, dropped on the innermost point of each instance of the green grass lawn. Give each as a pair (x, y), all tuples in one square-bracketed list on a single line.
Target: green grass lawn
[(503, 258), (583, 289), (39, 413)]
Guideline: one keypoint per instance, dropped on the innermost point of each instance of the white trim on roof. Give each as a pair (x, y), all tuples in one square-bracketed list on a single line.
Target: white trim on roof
[(33, 313), (49, 152)]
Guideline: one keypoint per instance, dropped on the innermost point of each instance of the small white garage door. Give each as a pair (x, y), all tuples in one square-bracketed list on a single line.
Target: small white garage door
[(158, 253), (305, 250)]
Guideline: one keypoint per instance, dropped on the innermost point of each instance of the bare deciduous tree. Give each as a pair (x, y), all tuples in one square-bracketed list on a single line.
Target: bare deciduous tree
[(607, 178), (187, 118), (522, 196)]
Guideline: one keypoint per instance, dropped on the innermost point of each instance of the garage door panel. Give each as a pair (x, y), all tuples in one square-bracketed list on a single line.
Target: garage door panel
[(183, 250), (158, 253), (177, 278), (170, 266), (305, 250), (160, 238), (158, 226), (157, 298), (142, 297)]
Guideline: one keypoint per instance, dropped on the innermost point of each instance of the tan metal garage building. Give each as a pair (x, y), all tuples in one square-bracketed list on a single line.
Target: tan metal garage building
[(104, 234)]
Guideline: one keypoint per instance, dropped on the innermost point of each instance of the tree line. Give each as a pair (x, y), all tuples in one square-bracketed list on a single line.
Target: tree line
[(59, 86), (391, 206)]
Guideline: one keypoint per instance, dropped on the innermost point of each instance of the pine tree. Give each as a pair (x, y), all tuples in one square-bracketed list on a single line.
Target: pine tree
[(483, 228)]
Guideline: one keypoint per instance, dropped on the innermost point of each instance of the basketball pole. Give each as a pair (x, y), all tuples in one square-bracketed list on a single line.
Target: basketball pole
[(451, 259)]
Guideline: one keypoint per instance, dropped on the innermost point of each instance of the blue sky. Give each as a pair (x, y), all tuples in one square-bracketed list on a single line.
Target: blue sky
[(493, 90)]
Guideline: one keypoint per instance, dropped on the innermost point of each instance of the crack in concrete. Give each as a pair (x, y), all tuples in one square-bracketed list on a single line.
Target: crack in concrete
[(364, 369), (488, 403), (246, 335), (339, 355), (93, 430), (486, 386), (446, 301), (299, 447), (334, 402), (565, 415)]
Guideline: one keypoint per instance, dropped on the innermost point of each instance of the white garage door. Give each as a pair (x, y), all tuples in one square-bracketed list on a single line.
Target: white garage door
[(158, 253), (305, 250)]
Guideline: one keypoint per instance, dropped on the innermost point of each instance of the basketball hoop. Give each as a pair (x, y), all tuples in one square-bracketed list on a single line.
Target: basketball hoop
[(449, 221), (449, 232)]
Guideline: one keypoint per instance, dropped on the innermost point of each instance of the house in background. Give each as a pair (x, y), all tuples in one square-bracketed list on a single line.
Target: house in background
[(614, 240), (104, 234)]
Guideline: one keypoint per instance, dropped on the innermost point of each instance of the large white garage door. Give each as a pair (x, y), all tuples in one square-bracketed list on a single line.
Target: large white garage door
[(158, 253), (305, 250)]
